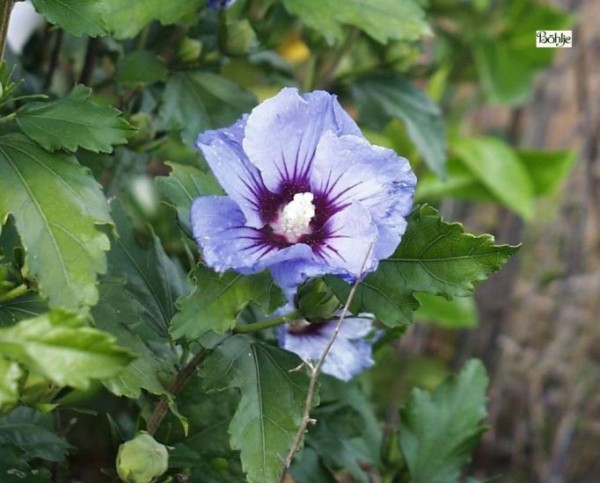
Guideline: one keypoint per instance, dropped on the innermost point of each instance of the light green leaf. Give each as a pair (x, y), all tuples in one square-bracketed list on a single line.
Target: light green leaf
[(57, 205), (59, 347), (217, 299), (29, 430), (78, 17), (125, 18), (183, 185), (547, 169), (497, 166), (141, 68), (383, 20), (74, 121), (10, 373), (456, 313), (151, 276), (381, 99), (119, 313), (434, 257), (271, 406), (439, 430), (196, 101)]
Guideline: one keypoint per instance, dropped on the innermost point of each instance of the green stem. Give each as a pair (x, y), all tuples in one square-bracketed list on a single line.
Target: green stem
[(265, 324), (5, 10), (14, 293)]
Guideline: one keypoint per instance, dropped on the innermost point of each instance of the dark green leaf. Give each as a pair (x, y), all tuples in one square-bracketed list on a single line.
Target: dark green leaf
[(272, 403), (217, 299), (57, 205), (19, 308), (152, 277), (434, 257), (59, 347), (196, 101), (383, 20), (439, 430), (380, 99), (74, 121), (78, 17), (141, 68)]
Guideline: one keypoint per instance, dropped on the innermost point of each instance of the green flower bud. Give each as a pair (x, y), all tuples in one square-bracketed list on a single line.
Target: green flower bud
[(237, 37), (316, 301), (188, 50), (142, 459)]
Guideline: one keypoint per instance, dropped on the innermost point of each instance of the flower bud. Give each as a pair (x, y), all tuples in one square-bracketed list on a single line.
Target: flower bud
[(236, 37), (188, 50), (142, 459), (316, 301)]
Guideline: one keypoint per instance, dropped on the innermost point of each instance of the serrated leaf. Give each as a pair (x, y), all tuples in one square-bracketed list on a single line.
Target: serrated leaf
[(271, 406), (151, 276), (78, 17), (59, 347), (57, 206), (196, 101), (141, 68), (383, 20), (125, 18), (74, 121), (10, 373), (183, 185), (19, 308), (496, 165), (439, 430), (217, 299), (380, 99), (119, 313), (434, 257)]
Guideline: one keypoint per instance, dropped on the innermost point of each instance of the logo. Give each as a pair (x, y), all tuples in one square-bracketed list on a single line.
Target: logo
[(552, 39)]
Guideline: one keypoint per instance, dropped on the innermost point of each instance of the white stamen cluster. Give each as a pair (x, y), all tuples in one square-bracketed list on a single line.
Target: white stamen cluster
[(295, 217)]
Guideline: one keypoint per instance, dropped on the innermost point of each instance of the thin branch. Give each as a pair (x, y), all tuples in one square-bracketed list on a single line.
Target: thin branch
[(89, 63), (54, 58), (315, 371), (178, 384), (5, 10)]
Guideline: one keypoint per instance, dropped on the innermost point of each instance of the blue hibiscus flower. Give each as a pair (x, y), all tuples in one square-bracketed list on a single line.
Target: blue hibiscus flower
[(350, 353), (307, 194)]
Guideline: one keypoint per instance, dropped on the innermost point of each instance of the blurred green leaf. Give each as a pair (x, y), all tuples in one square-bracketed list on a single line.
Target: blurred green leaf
[(126, 18), (434, 257), (271, 406), (57, 206), (547, 169), (218, 298), (30, 432), (74, 121), (196, 101), (456, 313), (19, 308), (381, 99), (438, 430), (497, 166), (10, 373), (141, 68), (59, 347), (383, 20), (151, 276), (78, 17)]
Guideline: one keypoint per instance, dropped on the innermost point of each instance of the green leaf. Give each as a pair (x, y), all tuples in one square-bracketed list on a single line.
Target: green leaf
[(496, 165), (380, 99), (183, 185), (141, 68), (434, 257), (439, 430), (126, 18), (59, 347), (57, 206), (74, 121), (120, 314), (78, 17), (217, 300), (547, 169), (152, 277), (456, 313), (196, 101), (19, 308), (271, 406), (29, 430), (383, 20), (10, 373)]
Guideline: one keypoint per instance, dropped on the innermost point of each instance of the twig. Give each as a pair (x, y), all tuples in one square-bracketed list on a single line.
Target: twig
[(178, 384), (89, 63), (5, 10), (54, 58), (315, 371)]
